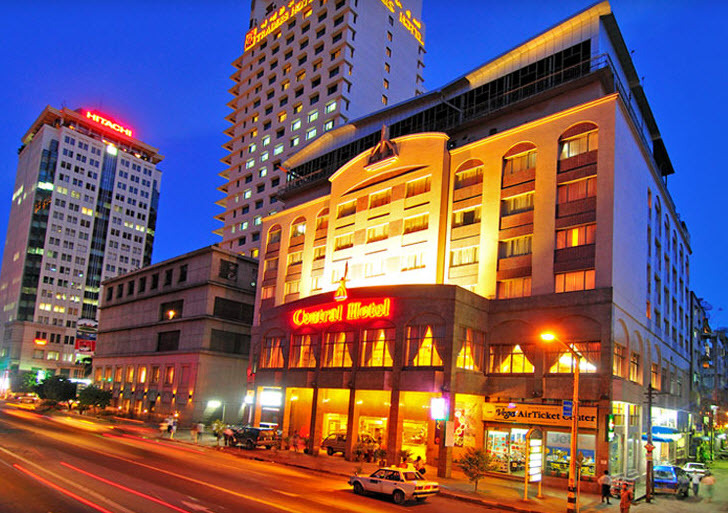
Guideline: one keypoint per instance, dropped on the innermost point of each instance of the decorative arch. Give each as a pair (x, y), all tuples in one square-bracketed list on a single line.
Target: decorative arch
[(638, 347), (468, 173), (578, 129), (518, 148), (274, 234), (378, 343), (298, 227), (322, 219)]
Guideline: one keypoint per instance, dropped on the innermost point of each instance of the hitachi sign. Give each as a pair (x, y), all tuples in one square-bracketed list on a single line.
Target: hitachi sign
[(108, 124)]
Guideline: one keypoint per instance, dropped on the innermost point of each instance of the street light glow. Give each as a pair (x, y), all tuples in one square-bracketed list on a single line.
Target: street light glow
[(547, 336)]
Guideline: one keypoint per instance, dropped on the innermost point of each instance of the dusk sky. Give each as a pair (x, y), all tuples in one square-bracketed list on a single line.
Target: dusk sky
[(162, 68)]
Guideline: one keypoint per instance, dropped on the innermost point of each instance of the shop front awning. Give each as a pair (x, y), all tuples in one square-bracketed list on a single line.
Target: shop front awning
[(657, 438), (664, 430)]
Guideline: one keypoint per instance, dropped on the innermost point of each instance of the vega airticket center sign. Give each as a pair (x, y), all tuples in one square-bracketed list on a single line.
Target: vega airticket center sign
[(538, 414)]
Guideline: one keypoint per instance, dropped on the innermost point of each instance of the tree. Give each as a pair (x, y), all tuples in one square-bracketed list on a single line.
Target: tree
[(476, 463), (25, 381), (57, 388), (92, 396)]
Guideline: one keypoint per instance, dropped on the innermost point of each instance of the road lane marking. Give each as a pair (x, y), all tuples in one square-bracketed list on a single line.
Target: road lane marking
[(125, 488), (287, 493), (68, 482), (62, 490)]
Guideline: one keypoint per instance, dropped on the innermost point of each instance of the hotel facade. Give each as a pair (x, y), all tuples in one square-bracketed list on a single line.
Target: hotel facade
[(84, 208), (307, 67), (403, 290)]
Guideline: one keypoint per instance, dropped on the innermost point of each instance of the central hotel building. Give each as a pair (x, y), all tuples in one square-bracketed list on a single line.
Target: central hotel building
[(425, 247)]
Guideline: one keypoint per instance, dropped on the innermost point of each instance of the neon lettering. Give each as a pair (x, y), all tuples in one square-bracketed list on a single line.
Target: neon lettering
[(274, 21), (352, 311), (108, 124)]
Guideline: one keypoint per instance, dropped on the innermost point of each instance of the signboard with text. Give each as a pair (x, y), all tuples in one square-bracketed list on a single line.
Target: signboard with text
[(538, 414)]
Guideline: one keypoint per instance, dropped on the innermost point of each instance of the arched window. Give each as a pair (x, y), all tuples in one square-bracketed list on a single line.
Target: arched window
[(304, 347), (580, 138), (519, 158), (298, 228), (470, 173), (472, 346), (274, 234), (424, 344), (377, 346), (271, 352), (338, 348), (322, 220)]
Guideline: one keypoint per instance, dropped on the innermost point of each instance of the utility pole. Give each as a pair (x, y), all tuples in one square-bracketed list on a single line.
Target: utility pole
[(649, 484)]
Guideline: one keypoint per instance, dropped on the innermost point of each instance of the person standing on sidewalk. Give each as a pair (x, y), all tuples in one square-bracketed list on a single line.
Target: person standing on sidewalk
[(606, 481), (194, 432), (708, 482), (695, 480), (626, 499)]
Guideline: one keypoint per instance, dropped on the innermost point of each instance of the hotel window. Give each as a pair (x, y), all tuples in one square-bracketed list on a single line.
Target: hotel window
[(520, 162), (385, 100), (413, 261), (142, 377), (634, 368), (169, 375), (346, 209), (464, 256), (322, 220), (294, 141), (417, 187), (171, 310), (271, 353), (268, 292), (510, 359), (344, 241), (337, 349), (515, 247), (421, 343), (618, 360), (380, 198), (466, 217), (377, 233), (292, 287), (579, 236), (576, 280), (377, 347), (270, 264), (328, 125), (330, 107), (118, 374), (517, 204), (386, 83), (468, 177), (298, 229), (302, 352), (319, 253), (416, 224), (655, 376), (582, 143), (374, 266), (560, 361), (313, 116), (472, 346), (295, 258), (274, 236), (311, 133), (518, 287), (296, 124), (580, 189), (168, 341)]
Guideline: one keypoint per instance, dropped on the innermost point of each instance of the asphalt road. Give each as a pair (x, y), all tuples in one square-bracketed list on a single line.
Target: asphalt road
[(68, 464)]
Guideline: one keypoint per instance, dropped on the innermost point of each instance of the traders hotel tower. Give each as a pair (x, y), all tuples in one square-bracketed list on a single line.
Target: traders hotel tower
[(307, 67), (84, 209)]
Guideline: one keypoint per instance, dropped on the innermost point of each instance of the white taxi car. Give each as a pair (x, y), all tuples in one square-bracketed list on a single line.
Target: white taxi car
[(402, 484)]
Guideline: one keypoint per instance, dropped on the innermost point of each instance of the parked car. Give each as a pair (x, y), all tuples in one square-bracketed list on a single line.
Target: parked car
[(671, 479), (399, 483), (695, 468), (336, 442), (252, 437)]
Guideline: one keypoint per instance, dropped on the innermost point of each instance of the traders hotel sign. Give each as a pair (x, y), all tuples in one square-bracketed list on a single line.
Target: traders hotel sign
[(343, 311)]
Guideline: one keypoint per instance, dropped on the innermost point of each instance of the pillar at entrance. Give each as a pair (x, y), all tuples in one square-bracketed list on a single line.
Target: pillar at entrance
[(352, 427), (394, 430), (314, 441)]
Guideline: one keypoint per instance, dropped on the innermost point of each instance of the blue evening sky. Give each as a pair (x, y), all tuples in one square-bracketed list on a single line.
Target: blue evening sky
[(162, 68)]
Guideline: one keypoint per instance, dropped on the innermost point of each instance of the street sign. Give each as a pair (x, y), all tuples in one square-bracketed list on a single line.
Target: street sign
[(568, 408)]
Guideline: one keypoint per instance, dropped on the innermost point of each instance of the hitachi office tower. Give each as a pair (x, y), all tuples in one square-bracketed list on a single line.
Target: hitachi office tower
[(307, 67), (84, 209)]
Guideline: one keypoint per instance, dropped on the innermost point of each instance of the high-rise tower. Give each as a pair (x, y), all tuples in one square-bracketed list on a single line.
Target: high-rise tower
[(84, 209), (308, 66)]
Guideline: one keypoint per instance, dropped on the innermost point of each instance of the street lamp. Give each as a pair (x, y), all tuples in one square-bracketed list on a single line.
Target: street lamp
[(571, 498)]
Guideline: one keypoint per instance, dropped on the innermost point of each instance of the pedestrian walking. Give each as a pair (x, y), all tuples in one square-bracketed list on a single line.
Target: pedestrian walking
[(626, 499), (420, 465), (173, 429), (695, 480), (605, 480), (708, 482), (200, 430)]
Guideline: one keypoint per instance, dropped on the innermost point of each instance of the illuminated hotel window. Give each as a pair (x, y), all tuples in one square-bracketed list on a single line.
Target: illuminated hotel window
[(577, 190), (328, 125), (468, 177), (520, 162), (322, 220), (385, 100), (295, 258), (142, 374), (319, 252), (577, 280), (296, 124), (515, 247), (560, 361), (274, 236), (377, 233), (271, 353), (312, 116), (517, 204), (374, 266), (417, 187), (118, 373), (518, 287), (298, 228), (634, 368), (416, 224), (380, 198), (578, 236), (386, 83), (265, 141), (292, 287), (311, 133), (413, 261), (582, 143), (169, 375), (377, 347), (464, 256), (330, 107), (250, 163), (268, 292), (271, 264), (466, 217), (421, 343), (618, 360), (510, 359), (294, 141), (346, 209), (315, 282), (336, 349), (344, 241), (472, 346), (278, 149), (258, 220), (302, 352), (247, 193)]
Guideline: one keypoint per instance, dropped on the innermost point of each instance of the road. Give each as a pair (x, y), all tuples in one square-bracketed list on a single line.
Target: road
[(65, 464)]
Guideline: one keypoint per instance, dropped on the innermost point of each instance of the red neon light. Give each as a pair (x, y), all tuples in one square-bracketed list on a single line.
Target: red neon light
[(108, 123), (351, 311), (40, 341)]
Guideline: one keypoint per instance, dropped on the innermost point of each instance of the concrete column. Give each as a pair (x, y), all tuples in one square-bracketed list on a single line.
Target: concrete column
[(352, 426), (314, 441), (394, 429), (444, 460)]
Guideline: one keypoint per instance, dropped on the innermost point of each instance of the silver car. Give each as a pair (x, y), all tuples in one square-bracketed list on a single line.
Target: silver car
[(402, 484)]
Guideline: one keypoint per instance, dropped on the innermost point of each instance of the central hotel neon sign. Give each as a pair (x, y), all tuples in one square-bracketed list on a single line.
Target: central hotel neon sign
[(349, 311)]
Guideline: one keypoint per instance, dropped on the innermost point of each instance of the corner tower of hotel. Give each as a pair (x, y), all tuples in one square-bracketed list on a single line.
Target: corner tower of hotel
[(403, 289), (307, 67), (84, 209)]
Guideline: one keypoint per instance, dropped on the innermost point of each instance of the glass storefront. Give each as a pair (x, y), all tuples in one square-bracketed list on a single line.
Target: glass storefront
[(558, 452), (508, 447), (416, 422)]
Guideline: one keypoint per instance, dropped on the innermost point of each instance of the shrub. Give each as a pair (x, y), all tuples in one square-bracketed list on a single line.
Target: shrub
[(476, 463)]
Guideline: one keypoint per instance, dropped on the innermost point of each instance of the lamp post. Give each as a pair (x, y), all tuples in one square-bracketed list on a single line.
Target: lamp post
[(572, 498)]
